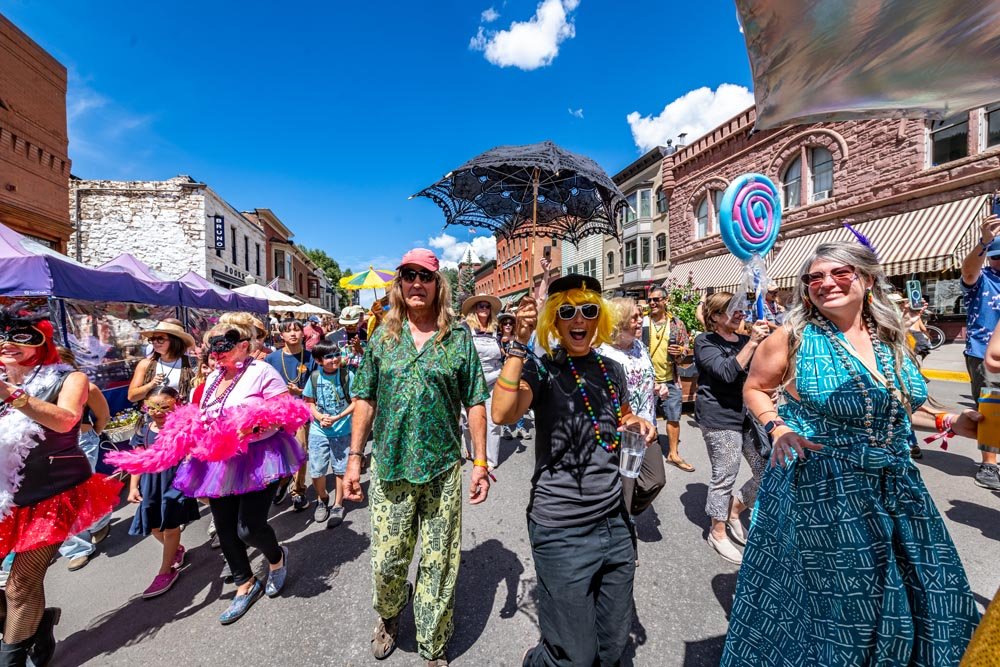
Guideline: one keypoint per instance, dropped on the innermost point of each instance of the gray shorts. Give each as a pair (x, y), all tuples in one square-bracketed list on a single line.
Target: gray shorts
[(670, 407)]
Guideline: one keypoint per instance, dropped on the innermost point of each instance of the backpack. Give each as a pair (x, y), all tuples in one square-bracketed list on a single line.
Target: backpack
[(345, 382)]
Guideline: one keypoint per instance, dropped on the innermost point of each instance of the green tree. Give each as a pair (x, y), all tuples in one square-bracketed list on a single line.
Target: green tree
[(333, 272), (452, 276)]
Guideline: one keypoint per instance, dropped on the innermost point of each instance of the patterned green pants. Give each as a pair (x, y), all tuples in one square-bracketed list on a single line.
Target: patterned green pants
[(400, 511)]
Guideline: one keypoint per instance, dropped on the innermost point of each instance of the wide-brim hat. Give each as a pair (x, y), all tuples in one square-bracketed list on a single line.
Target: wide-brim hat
[(574, 281), (506, 316), (170, 329), (471, 302)]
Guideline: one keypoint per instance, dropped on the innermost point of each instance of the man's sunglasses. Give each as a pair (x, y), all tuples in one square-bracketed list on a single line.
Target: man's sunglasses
[(590, 311), (410, 275), (655, 299), (26, 336), (842, 275)]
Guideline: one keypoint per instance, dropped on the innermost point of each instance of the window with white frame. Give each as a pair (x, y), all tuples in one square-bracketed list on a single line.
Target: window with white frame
[(573, 269), (821, 164), (632, 209), (949, 139), (590, 268), (791, 184), (631, 254), (701, 219), (661, 247), (611, 263), (645, 207), (644, 250)]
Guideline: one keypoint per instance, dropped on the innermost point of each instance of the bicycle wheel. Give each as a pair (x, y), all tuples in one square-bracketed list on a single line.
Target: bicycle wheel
[(935, 336)]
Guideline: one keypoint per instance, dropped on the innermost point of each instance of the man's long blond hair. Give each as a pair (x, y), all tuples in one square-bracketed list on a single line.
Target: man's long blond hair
[(392, 324)]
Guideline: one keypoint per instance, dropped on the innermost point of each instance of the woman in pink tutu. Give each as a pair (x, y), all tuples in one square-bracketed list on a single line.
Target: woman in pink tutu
[(233, 447), (47, 488)]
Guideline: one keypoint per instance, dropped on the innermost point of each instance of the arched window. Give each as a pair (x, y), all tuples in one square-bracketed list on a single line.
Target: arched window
[(661, 247), (611, 263), (791, 183), (821, 165), (701, 218)]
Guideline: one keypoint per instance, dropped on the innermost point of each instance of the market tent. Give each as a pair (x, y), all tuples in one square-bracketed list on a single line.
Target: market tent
[(276, 299), (307, 309), (216, 297), (30, 269), (128, 264)]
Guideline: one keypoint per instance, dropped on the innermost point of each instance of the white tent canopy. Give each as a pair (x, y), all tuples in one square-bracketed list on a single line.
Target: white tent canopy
[(274, 298)]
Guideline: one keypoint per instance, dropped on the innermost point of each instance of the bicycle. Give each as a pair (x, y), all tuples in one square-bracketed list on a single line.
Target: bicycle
[(935, 336)]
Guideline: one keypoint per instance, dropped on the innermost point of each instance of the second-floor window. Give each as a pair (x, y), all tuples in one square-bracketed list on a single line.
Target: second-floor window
[(821, 165), (590, 268), (611, 263), (661, 201), (279, 264), (631, 254), (791, 184), (949, 139), (993, 125), (661, 247), (644, 250)]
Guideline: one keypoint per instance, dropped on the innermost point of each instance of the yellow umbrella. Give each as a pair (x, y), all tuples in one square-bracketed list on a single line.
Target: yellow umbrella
[(371, 279)]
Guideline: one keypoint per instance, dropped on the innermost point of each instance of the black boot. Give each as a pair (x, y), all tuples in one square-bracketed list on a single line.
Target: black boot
[(14, 655), (44, 641)]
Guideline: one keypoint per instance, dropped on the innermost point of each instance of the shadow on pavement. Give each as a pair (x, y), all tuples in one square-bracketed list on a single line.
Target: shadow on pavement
[(327, 551), (957, 464), (724, 587), (693, 499), (636, 637), (647, 526), (509, 447), (984, 519)]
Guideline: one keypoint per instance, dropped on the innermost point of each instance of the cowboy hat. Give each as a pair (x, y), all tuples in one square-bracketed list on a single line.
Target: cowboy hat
[(171, 329), (471, 302)]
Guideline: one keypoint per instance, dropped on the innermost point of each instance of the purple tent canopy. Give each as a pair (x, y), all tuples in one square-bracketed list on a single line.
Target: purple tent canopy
[(28, 268), (129, 265), (219, 298)]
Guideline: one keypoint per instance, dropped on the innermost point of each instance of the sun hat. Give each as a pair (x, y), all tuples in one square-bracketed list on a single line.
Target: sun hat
[(422, 257), (351, 315), (471, 302), (171, 329), (506, 316)]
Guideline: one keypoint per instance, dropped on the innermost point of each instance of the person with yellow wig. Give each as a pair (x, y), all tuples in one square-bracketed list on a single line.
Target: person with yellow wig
[(580, 534)]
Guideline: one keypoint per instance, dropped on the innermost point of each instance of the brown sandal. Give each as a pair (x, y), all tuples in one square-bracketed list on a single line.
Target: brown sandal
[(386, 630), (682, 464)]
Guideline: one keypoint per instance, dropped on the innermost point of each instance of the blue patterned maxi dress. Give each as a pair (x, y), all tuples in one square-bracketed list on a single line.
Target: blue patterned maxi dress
[(848, 561)]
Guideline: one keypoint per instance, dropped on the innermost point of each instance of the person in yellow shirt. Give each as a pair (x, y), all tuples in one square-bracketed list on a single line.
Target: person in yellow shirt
[(667, 340)]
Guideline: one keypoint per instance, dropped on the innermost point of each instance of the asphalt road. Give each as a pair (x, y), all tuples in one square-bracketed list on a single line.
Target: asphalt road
[(324, 617)]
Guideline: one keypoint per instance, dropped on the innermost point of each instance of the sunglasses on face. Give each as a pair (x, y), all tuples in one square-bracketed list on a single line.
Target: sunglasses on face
[(842, 275), (655, 299), (410, 275), (224, 343), (333, 356), (482, 305), (159, 339), (26, 336), (590, 311)]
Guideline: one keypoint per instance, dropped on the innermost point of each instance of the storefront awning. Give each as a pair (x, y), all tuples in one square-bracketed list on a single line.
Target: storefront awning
[(721, 272), (510, 301), (930, 239)]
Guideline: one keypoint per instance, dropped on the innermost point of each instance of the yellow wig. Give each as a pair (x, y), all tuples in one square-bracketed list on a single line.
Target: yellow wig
[(547, 332)]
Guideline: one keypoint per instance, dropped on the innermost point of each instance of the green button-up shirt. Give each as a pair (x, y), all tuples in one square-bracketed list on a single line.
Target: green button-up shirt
[(418, 398)]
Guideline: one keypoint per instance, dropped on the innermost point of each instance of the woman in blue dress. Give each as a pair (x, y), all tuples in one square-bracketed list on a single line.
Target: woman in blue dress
[(848, 562)]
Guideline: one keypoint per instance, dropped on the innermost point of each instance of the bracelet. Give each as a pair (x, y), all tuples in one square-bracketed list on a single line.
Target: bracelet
[(361, 454), (17, 399), (518, 345), (512, 384), (939, 421), (504, 387), (479, 463), (760, 417), (517, 352)]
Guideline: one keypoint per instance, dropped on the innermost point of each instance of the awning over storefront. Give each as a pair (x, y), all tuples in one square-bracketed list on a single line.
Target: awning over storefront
[(930, 239), (721, 272), (510, 301)]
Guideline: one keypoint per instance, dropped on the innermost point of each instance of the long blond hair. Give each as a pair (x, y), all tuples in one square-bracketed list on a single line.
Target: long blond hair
[(392, 323), (623, 308), (472, 319)]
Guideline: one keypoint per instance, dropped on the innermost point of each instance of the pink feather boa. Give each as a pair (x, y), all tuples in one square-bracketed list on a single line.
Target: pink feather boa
[(185, 433)]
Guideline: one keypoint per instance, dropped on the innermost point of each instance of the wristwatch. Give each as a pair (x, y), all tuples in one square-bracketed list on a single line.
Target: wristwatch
[(773, 424)]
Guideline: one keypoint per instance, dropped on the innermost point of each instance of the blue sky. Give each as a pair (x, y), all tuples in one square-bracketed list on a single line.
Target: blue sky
[(333, 113)]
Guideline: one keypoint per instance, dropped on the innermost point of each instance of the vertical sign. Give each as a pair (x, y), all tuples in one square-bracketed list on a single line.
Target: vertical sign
[(220, 232)]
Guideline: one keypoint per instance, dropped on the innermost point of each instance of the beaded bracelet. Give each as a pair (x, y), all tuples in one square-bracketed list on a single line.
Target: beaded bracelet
[(512, 384)]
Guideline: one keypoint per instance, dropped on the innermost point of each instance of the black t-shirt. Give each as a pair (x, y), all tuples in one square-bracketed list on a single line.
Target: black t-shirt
[(576, 481), (719, 402)]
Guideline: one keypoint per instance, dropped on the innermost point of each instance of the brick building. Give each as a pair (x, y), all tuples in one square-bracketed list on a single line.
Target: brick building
[(915, 188), (512, 277), (486, 278), (295, 272), (34, 166)]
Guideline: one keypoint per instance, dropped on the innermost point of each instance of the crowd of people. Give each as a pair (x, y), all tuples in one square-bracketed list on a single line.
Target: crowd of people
[(845, 562)]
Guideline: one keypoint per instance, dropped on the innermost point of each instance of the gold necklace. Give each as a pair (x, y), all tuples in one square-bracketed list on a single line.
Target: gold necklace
[(300, 368)]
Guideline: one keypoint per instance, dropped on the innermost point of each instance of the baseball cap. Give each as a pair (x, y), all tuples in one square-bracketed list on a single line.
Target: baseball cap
[(421, 257), (314, 319), (351, 315), (993, 249)]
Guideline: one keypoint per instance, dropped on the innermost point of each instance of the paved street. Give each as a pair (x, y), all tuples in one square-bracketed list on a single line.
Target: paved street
[(683, 590)]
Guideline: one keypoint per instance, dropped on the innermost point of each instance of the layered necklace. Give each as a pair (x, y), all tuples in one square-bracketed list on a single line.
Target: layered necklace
[(885, 359), (607, 446), (210, 400)]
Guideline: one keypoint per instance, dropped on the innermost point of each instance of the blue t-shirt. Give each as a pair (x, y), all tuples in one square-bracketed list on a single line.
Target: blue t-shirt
[(331, 399), (292, 367), (982, 306)]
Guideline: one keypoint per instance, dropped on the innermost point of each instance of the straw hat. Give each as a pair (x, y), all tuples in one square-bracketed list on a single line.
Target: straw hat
[(471, 302), (171, 329)]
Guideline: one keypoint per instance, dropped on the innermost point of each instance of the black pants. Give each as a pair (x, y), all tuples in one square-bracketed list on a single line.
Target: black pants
[(241, 521), (585, 576)]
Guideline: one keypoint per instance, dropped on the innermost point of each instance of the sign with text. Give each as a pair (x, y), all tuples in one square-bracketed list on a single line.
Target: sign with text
[(220, 232)]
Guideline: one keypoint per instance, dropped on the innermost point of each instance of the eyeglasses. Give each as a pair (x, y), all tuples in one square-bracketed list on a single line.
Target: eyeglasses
[(590, 311), (842, 275), (410, 275), (26, 336), (159, 339)]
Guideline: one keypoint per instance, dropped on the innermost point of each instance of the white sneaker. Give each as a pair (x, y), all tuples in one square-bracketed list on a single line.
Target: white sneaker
[(726, 549), (737, 532)]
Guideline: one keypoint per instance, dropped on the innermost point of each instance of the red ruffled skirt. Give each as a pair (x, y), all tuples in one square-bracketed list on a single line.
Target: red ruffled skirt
[(54, 519)]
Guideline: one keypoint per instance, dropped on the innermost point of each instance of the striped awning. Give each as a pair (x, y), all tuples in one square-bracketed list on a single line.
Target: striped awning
[(721, 273), (930, 239), (510, 301)]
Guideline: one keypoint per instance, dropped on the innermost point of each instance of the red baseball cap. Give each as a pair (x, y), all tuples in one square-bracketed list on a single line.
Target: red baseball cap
[(422, 257)]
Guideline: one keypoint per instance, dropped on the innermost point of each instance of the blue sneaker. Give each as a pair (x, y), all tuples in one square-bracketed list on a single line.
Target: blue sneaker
[(241, 604), (276, 578)]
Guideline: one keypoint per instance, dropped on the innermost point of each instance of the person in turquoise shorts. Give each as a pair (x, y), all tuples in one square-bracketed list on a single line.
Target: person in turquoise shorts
[(848, 562)]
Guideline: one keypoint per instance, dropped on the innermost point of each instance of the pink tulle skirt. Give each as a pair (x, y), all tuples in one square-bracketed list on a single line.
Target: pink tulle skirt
[(52, 520), (266, 460)]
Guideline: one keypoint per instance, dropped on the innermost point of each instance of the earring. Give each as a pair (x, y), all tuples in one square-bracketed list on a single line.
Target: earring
[(868, 295)]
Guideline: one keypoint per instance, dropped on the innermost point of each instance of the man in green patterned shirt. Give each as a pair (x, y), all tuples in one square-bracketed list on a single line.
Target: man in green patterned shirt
[(419, 370)]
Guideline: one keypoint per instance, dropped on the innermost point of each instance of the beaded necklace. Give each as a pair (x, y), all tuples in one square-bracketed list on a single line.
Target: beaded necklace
[(608, 447), (210, 400), (882, 355)]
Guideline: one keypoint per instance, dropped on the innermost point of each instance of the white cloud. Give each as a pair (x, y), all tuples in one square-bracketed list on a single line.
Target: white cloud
[(576, 113), (489, 15), (529, 44), (450, 249), (694, 113)]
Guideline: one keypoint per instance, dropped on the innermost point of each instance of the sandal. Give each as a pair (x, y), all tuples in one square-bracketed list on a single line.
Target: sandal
[(386, 630), (681, 463)]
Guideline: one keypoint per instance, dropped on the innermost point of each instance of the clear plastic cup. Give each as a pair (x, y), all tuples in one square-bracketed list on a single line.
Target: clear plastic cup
[(632, 449)]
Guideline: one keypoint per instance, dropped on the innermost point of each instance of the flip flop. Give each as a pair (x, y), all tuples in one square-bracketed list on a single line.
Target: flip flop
[(682, 464)]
